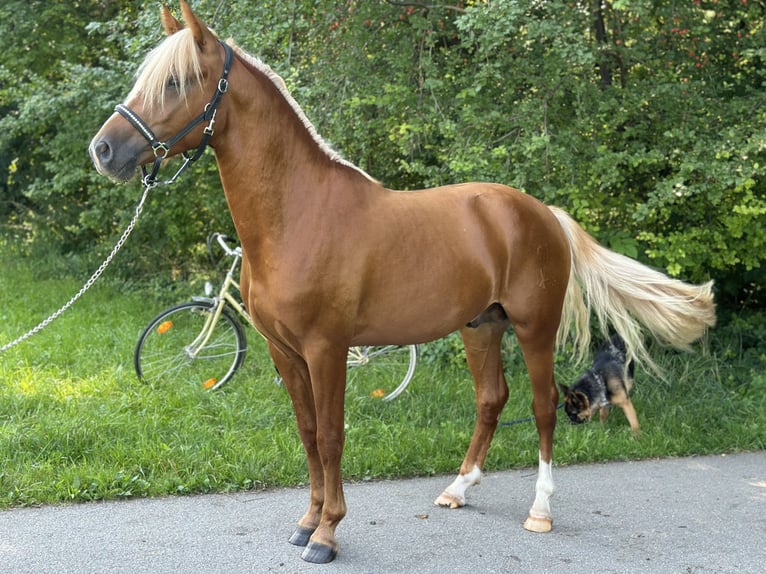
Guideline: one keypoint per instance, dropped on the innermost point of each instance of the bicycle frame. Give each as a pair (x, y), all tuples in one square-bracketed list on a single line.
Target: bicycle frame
[(220, 300)]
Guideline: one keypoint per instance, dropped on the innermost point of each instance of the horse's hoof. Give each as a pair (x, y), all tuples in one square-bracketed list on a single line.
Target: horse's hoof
[(317, 553), (301, 536), (538, 524), (449, 500)]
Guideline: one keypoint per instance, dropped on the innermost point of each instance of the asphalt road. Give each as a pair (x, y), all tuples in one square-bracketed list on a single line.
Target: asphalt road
[(685, 516)]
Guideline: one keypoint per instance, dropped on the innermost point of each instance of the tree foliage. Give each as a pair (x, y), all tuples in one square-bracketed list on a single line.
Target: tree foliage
[(644, 118)]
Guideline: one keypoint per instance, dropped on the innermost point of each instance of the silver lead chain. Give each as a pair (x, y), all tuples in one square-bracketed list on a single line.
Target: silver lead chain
[(89, 283)]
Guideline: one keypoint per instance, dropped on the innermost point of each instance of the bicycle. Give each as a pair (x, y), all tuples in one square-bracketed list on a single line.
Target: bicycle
[(203, 341)]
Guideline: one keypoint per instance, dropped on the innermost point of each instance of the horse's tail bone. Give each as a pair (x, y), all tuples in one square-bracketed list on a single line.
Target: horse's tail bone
[(625, 294)]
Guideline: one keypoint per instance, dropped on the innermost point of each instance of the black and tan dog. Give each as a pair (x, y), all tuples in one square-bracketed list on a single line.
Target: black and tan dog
[(606, 384)]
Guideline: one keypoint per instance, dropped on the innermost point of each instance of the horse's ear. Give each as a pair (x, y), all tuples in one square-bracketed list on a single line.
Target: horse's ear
[(169, 23), (195, 24)]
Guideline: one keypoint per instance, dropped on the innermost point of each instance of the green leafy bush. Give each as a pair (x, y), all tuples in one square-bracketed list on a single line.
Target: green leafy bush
[(644, 119)]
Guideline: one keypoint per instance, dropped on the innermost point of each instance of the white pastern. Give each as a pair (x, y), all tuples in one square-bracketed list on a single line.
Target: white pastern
[(544, 490), (454, 495)]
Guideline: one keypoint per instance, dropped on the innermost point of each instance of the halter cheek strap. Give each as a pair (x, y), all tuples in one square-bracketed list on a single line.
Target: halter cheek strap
[(161, 149)]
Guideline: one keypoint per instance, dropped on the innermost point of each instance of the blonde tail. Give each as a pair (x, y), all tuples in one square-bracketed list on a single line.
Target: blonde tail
[(625, 294)]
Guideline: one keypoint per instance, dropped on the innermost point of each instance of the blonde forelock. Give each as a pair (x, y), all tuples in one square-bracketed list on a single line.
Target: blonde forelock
[(177, 57)]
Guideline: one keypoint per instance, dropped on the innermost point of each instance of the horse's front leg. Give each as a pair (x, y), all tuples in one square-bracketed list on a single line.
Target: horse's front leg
[(295, 374), (327, 369)]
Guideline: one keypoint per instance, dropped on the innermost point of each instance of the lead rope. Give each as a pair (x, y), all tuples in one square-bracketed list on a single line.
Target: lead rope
[(89, 283), (525, 420)]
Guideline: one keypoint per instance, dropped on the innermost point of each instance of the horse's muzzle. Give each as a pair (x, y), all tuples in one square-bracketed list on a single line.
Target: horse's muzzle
[(116, 162)]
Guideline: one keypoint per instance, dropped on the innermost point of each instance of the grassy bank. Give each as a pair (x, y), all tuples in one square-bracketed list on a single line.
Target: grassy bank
[(76, 425)]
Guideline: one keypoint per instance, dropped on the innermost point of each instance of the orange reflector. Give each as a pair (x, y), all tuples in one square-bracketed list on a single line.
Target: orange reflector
[(164, 327), (209, 384)]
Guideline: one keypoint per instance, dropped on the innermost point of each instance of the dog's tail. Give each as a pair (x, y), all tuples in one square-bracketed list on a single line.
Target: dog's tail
[(625, 294)]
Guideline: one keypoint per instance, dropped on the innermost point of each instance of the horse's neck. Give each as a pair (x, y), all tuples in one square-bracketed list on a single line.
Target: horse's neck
[(270, 168)]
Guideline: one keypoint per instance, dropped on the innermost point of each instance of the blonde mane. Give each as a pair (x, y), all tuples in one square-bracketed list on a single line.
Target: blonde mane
[(177, 58), (279, 83)]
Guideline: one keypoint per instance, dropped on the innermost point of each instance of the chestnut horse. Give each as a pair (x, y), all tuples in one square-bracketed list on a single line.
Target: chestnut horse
[(332, 259)]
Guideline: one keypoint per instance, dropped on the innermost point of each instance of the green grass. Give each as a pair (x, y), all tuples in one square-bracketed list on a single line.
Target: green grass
[(76, 425)]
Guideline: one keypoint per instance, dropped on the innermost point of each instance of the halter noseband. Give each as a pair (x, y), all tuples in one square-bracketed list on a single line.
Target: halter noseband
[(161, 149)]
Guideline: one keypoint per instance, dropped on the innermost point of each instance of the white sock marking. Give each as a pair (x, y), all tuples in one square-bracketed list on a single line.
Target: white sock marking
[(544, 489), (462, 482)]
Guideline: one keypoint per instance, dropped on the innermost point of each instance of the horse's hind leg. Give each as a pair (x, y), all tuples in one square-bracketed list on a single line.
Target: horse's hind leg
[(482, 347), (537, 349)]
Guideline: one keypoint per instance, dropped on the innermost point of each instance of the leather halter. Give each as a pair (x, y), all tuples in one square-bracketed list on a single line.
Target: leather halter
[(161, 149)]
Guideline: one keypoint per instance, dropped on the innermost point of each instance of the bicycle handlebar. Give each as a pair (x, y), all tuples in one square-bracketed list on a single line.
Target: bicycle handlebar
[(223, 241)]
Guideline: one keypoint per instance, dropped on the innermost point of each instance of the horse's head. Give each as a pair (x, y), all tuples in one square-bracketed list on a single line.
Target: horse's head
[(172, 105)]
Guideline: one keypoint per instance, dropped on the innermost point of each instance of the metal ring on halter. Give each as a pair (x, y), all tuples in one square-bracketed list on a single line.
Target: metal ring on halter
[(158, 148)]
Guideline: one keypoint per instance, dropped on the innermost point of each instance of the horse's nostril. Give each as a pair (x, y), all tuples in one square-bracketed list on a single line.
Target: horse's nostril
[(103, 151)]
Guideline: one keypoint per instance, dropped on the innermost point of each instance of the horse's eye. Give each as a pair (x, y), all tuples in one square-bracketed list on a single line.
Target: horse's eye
[(173, 83)]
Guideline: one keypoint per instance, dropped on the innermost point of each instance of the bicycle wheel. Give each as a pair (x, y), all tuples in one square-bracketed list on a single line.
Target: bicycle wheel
[(381, 371), (174, 348)]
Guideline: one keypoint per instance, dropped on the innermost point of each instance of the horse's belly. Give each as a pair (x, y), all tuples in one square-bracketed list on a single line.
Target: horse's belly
[(420, 311)]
